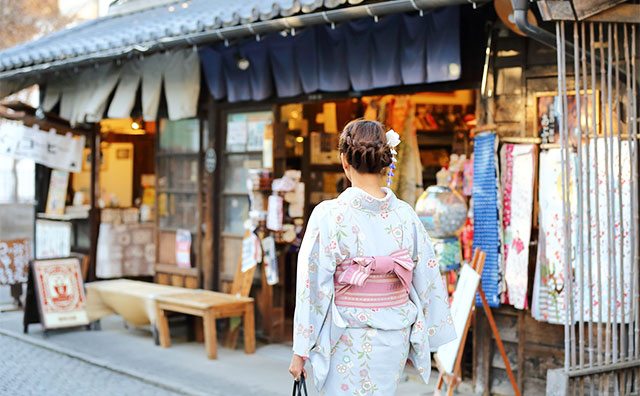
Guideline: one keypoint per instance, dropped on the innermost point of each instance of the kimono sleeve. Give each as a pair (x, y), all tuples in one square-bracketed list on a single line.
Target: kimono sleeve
[(314, 287), (431, 292)]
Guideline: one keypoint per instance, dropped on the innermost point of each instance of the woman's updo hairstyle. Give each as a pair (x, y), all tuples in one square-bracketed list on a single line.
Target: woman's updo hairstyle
[(364, 144)]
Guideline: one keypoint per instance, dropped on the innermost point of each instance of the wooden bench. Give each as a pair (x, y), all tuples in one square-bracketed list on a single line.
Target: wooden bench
[(209, 306)]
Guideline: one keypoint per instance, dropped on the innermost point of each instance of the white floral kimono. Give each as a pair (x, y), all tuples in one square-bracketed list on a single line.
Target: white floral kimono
[(358, 350)]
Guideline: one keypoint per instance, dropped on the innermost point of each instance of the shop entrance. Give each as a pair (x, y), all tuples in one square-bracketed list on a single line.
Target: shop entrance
[(300, 140)]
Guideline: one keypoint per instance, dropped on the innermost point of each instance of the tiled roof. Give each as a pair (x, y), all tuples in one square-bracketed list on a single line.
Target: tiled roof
[(139, 30)]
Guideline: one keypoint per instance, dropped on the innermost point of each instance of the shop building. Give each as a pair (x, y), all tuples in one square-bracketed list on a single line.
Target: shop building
[(204, 118)]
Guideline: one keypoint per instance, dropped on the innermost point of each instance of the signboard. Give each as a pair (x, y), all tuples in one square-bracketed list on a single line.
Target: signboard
[(60, 293), (14, 261), (463, 299), (548, 115), (57, 196), (210, 160), (47, 148)]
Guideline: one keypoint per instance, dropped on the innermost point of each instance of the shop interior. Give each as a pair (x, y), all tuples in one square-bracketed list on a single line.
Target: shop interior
[(299, 141), (126, 199)]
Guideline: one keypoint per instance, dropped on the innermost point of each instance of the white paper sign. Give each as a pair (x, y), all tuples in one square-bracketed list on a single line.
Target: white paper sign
[(251, 252), (237, 133), (62, 152), (275, 212), (183, 248), (270, 260), (53, 239), (463, 299)]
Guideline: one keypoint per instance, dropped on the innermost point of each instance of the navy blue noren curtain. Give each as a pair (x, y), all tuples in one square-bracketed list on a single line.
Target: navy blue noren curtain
[(359, 55)]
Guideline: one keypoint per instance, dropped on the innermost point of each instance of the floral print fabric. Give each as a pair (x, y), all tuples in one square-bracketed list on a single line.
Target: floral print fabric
[(518, 162), (357, 224), (355, 364), (600, 258)]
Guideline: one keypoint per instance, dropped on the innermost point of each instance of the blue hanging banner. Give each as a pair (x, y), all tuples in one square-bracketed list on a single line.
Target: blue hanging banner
[(359, 55), (485, 214)]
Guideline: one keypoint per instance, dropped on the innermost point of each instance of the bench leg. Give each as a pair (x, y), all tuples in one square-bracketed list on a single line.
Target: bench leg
[(249, 330), (197, 329), (162, 325), (210, 338)]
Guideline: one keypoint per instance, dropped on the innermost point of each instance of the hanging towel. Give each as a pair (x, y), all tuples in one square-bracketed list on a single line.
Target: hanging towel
[(517, 202), (486, 234), (549, 287)]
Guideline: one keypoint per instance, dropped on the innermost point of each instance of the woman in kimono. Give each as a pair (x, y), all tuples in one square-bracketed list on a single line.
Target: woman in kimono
[(369, 293)]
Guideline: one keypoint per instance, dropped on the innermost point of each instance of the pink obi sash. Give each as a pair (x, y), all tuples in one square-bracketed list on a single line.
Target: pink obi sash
[(374, 281)]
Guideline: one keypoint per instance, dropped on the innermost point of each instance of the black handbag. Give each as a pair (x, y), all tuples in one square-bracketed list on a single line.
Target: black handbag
[(299, 386)]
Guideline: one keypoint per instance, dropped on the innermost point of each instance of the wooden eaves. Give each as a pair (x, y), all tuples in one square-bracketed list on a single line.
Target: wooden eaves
[(30, 116), (562, 11)]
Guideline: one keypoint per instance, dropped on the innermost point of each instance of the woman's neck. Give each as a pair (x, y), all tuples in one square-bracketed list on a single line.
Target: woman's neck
[(369, 183)]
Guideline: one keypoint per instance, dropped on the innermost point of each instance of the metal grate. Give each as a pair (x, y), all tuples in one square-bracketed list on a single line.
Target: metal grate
[(599, 143)]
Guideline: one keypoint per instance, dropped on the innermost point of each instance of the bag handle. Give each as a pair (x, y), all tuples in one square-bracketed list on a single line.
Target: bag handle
[(300, 385)]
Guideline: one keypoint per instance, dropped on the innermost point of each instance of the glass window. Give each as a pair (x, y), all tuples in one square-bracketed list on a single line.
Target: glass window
[(243, 151), (245, 131), (236, 212), (180, 136), (237, 171), (177, 174)]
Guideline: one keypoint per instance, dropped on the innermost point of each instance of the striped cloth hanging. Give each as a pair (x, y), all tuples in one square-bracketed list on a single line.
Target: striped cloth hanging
[(486, 234)]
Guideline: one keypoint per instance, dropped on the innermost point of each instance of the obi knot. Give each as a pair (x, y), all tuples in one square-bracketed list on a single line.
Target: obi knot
[(358, 269)]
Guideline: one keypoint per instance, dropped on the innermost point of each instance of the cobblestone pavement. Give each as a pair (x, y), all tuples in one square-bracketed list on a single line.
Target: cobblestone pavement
[(26, 369)]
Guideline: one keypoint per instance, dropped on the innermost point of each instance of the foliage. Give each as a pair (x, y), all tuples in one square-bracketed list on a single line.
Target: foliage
[(25, 20)]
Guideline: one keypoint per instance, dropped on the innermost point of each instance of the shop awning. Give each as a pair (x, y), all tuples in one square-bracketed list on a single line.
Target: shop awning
[(84, 96), (359, 55), (96, 68), (139, 31)]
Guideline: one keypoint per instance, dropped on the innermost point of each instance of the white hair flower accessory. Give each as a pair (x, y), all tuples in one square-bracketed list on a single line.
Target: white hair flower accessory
[(393, 140)]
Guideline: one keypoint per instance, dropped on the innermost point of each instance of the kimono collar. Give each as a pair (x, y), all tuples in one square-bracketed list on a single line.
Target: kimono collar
[(359, 199)]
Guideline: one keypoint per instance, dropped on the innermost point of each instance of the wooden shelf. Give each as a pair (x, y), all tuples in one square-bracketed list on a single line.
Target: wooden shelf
[(435, 139), (174, 229), (235, 193), (326, 168), (175, 270), (176, 191), (242, 152), (177, 154)]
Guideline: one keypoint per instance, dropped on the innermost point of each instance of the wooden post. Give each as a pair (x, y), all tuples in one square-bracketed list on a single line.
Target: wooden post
[(209, 263), (94, 212), (521, 341)]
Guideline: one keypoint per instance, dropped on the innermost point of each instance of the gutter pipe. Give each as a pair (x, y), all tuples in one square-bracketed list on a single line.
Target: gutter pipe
[(520, 9), (251, 29)]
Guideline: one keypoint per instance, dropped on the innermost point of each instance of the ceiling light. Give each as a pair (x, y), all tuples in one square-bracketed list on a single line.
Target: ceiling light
[(243, 63)]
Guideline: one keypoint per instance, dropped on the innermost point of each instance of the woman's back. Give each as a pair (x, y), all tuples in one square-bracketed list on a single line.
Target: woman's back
[(369, 294)]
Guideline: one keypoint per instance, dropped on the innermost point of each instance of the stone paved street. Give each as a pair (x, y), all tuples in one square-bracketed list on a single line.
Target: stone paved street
[(119, 360), (26, 369)]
